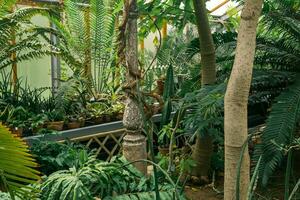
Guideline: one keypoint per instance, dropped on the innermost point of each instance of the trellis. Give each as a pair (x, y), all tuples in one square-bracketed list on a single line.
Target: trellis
[(106, 145), (106, 138)]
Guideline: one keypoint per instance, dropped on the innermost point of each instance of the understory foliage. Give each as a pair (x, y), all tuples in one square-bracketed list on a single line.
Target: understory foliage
[(106, 180)]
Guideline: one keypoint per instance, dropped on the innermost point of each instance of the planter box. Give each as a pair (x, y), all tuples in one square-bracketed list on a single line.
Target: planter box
[(82, 132)]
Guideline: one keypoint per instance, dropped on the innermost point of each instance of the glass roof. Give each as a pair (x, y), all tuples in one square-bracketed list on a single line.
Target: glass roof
[(211, 4)]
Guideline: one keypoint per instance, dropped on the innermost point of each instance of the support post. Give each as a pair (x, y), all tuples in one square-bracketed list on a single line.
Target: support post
[(134, 142), (55, 65)]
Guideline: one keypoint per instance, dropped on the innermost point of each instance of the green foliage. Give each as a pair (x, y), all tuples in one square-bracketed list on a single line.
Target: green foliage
[(17, 166), (4, 196), (96, 179), (164, 195), (279, 36), (17, 26), (88, 38), (280, 128), (53, 156), (169, 91)]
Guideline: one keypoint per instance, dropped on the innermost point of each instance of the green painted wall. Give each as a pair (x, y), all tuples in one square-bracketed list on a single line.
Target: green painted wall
[(36, 72)]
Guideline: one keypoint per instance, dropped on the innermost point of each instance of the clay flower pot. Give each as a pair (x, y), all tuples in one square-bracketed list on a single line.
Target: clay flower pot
[(57, 126), (98, 120), (17, 131), (74, 124)]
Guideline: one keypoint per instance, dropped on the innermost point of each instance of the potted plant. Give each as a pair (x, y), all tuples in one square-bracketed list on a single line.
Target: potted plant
[(164, 136), (118, 110), (96, 111), (77, 116), (17, 127), (55, 120), (16, 118), (75, 121), (37, 122)]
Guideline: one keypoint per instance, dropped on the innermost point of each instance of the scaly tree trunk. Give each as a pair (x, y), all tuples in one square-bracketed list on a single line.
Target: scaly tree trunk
[(204, 146), (236, 100), (134, 142)]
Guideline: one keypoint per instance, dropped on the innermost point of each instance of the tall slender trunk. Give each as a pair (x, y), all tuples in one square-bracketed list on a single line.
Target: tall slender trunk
[(203, 149), (236, 100), (207, 48)]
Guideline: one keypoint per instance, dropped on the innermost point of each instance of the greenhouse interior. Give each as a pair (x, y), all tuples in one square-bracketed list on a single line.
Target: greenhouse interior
[(150, 99)]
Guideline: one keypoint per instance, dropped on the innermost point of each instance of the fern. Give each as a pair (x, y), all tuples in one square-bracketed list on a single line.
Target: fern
[(280, 128)]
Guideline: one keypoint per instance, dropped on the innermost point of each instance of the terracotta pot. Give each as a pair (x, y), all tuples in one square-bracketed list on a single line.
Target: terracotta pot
[(57, 126), (82, 122), (74, 124), (163, 150), (106, 118), (98, 120), (17, 131), (119, 116)]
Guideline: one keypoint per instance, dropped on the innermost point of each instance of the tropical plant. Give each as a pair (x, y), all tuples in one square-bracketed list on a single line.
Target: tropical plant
[(278, 47), (279, 36), (17, 166), (87, 39), (97, 179), (280, 128), (53, 156), (19, 34)]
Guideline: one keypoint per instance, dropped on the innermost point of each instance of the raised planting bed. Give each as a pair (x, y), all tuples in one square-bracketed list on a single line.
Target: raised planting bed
[(79, 133)]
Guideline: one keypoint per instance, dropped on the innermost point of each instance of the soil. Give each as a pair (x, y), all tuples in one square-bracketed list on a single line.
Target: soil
[(274, 190), (202, 193)]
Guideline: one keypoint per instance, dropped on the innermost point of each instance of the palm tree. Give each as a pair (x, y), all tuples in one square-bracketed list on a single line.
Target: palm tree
[(204, 145)]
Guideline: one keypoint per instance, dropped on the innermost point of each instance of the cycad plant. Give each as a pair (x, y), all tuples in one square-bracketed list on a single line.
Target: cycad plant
[(279, 48), (20, 36), (279, 37), (88, 38)]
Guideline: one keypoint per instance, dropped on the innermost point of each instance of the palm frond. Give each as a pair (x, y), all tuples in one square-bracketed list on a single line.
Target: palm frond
[(279, 131), (17, 166)]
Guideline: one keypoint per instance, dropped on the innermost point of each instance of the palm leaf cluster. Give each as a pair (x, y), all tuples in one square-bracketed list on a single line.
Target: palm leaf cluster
[(279, 36), (20, 36), (87, 39), (17, 167), (278, 48), (281, 126)]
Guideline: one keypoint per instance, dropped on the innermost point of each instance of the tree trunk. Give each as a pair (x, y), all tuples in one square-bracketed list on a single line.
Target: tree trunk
[(207, 48), (134, 142), (203, 149), (236, 100)]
